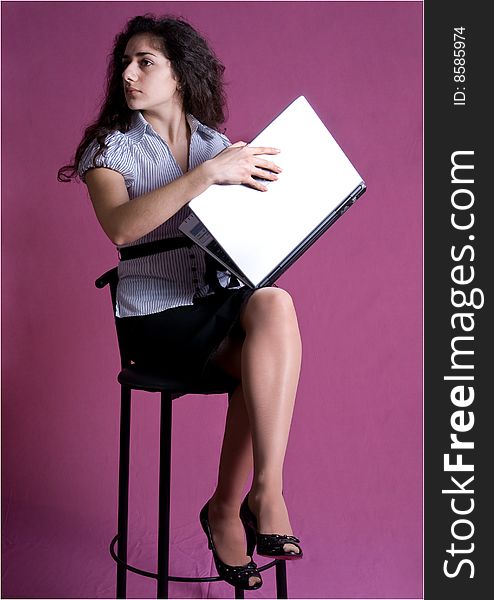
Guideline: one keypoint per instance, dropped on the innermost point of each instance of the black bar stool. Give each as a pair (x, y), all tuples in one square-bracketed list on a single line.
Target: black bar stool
[(133, 378)]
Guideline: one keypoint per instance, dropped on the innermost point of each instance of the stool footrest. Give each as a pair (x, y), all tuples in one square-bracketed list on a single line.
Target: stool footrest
[(170, 577)]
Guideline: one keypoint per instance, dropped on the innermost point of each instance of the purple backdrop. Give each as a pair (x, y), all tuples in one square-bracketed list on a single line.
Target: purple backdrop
[(353, 475)]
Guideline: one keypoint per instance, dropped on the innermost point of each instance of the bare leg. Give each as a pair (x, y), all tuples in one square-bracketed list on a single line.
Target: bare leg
[(235, 466), (258, 421), (271, 357)]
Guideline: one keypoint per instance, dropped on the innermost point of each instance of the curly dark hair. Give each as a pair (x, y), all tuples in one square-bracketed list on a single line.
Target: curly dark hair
[(198, 71)]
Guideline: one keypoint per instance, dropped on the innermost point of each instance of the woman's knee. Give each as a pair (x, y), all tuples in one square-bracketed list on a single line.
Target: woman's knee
[(270, 304)]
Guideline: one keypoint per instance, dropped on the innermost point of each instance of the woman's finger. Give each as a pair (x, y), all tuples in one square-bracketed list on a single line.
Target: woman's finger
[(264, 174), (264, 150), (267, 164), (257, 185)]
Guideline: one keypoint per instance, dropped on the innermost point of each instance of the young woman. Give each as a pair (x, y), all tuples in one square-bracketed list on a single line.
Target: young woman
[(154, 147)]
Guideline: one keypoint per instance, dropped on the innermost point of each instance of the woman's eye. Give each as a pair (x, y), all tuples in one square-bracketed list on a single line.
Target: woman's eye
[(145, 62)]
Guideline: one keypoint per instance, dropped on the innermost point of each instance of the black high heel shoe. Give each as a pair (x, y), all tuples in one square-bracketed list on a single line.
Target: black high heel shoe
[(269, 544), (236, 576)]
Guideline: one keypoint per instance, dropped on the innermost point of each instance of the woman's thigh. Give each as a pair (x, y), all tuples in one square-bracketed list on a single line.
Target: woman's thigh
[(228, 355), (265, 304)]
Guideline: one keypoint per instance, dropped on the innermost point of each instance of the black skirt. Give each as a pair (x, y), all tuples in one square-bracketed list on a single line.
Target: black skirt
[(182, 341)]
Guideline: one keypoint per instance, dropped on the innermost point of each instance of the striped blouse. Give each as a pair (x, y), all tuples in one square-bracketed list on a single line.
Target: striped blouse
[(168, 279)]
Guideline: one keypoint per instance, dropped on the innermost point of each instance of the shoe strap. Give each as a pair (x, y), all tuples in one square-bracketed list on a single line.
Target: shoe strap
[(273, 538), (240, 569)]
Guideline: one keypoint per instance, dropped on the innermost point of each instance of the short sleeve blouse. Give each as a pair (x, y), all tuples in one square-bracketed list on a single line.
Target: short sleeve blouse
[(165, 280)]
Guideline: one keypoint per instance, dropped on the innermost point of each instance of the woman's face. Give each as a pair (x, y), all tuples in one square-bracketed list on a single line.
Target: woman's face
[(148, 80)]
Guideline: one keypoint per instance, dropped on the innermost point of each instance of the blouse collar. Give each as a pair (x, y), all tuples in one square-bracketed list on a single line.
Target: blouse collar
[(139, 126)]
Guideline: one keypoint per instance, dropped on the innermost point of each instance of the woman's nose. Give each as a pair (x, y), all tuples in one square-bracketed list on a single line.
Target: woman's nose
[(129, 73)]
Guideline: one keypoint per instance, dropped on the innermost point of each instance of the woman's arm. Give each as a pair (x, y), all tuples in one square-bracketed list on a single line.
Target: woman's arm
[(124, 221)]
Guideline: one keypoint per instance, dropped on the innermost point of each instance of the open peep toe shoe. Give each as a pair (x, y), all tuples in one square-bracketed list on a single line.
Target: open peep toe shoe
[(269, 544), (236, 576)]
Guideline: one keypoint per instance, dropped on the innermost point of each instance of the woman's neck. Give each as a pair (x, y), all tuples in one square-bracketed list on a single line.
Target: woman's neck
[(170, 124)]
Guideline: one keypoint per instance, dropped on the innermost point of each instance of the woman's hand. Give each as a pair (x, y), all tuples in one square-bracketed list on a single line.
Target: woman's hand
[(240, 163)]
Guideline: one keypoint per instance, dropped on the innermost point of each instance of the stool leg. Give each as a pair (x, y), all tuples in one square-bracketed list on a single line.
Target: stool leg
[(164, 494), (281, 588), (123, 490), (239, 593)]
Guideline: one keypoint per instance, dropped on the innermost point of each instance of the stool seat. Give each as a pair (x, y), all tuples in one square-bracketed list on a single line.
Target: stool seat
[(149, 380)]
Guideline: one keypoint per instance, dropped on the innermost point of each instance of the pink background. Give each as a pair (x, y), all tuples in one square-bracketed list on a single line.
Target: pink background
[(353, 475)]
